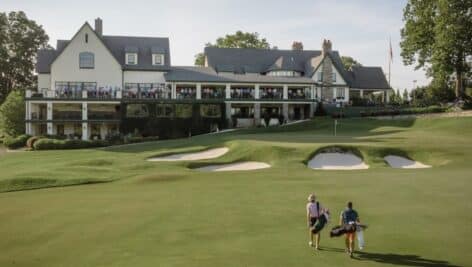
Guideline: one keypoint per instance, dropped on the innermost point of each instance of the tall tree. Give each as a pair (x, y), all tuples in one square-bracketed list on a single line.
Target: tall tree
[(297, 46), (237, 40), (20, 40), (349, 62), (437, 37)]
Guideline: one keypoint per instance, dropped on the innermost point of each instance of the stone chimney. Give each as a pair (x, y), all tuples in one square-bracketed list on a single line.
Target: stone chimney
[(326, 47), (99, 26)]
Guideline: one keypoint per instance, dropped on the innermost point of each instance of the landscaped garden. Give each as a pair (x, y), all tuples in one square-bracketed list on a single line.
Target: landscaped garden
[(128, 211)]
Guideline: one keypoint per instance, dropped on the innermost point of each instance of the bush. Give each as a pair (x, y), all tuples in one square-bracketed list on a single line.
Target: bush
[(47, 144), (30, 142), (12, 114), (139, 139), (16, 142)]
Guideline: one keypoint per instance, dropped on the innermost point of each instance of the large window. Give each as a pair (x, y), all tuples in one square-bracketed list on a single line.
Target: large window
[(86, 60), (210, 111), (164, 110), (137, 111), (284, 73), (340, 93), (183, 110)]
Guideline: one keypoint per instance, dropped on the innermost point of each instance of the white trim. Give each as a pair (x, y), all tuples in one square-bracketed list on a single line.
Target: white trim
[(130, 54)]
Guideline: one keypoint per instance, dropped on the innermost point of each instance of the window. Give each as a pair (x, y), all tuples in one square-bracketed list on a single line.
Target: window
[(131, 58), (86, 38), (339, 93), (86, 60), (334, 76), (137, 111), (183, 110), (164, 110), (320, 76), (157, 59), (210, 111)]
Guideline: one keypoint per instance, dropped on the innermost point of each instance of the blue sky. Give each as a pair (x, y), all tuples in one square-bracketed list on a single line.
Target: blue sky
[(358, 28)]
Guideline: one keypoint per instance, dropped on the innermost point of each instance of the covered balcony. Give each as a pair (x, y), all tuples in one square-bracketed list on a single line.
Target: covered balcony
[(242, 92), (186, 92), (147, 91), (103, 112), (67, 111), (299, 93), (213, 92), (271, 92)]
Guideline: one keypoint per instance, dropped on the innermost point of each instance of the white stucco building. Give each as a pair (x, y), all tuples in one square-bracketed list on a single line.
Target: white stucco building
[(95, 85)]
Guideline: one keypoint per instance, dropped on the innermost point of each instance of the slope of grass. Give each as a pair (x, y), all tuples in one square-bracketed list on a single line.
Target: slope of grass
[(165, 214)]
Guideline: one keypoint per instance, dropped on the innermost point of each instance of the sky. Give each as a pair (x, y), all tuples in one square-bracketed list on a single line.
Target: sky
[(357, 28)]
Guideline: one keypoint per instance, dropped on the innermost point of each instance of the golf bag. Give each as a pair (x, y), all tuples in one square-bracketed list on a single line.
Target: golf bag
[(342, 229), (320, 224)]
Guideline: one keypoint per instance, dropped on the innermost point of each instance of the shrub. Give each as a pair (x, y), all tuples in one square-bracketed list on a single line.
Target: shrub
[(12, 114), (30, 142), (139, 139), (47, 144), (16, 142), (320, 111)]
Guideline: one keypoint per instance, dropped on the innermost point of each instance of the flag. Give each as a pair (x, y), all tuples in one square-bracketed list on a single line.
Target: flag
[(390, 52)]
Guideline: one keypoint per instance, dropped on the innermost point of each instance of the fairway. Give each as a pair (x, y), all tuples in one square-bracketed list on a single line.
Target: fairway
[(124, 210)]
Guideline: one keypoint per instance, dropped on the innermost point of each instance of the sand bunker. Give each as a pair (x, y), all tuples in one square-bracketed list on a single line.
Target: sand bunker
[(404, 163), (207, 154), (238, 166), (337, 161)]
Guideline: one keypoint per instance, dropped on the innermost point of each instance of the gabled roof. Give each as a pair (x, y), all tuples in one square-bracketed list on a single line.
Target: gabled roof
[(118, 46), (368, 78)]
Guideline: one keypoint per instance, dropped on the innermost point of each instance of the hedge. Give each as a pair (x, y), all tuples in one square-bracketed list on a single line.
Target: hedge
[(138, 139), (16, 142), (46, 144), (403, 111)]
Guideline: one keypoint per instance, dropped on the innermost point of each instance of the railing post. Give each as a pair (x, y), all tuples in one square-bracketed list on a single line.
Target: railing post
[(199, 91), (119, 94), (85, 131), (84, 94), (256, 91), (285, 92), (84, 111), (228, 91)]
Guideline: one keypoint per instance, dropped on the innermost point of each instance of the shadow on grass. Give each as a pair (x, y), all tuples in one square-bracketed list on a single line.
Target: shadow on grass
[(399, 259), (393, 259)]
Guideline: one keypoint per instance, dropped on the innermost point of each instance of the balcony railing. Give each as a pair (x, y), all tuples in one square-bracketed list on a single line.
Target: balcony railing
[(186, 93), (242, 93), (299, 94), (67, 115), (103, 116), (210, 93), (76, 94), (271, 93), (150, 94)]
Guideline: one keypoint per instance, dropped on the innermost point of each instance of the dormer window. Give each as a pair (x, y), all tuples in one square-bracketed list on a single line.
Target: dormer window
[(334, 76), (131, 58), (284, 73), (157, 59)]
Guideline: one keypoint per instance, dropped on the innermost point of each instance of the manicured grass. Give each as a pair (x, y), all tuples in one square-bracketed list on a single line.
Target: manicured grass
[(165, 214)]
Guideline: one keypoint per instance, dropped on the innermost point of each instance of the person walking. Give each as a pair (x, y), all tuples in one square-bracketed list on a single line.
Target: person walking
[(349, 219), (313, 213)]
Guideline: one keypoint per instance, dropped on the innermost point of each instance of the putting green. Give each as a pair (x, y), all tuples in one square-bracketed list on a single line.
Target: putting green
[(166, 214)]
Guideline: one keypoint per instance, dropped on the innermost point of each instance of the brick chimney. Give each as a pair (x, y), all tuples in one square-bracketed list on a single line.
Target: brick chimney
[(99, 26), (326, 47)]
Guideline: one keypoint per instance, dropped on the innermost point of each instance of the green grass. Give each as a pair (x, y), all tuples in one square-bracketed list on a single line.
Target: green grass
[(141, 213)]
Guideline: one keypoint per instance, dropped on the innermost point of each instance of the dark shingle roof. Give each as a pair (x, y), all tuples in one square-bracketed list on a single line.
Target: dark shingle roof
[(208, 74), (144, 46), (118, 46), (368, 78), (257, 60)]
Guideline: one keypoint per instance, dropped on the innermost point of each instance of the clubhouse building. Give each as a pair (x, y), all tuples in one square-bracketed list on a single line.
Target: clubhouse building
[(94, 86)]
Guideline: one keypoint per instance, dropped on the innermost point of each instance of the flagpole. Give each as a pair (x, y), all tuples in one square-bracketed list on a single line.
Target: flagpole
[(390, 61)]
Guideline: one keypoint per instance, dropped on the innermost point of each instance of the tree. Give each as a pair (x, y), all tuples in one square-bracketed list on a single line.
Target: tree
[(237, 40), (405, 96), (437, 37), (20, 40), (298, 46), (349, 62), (12, 114)]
